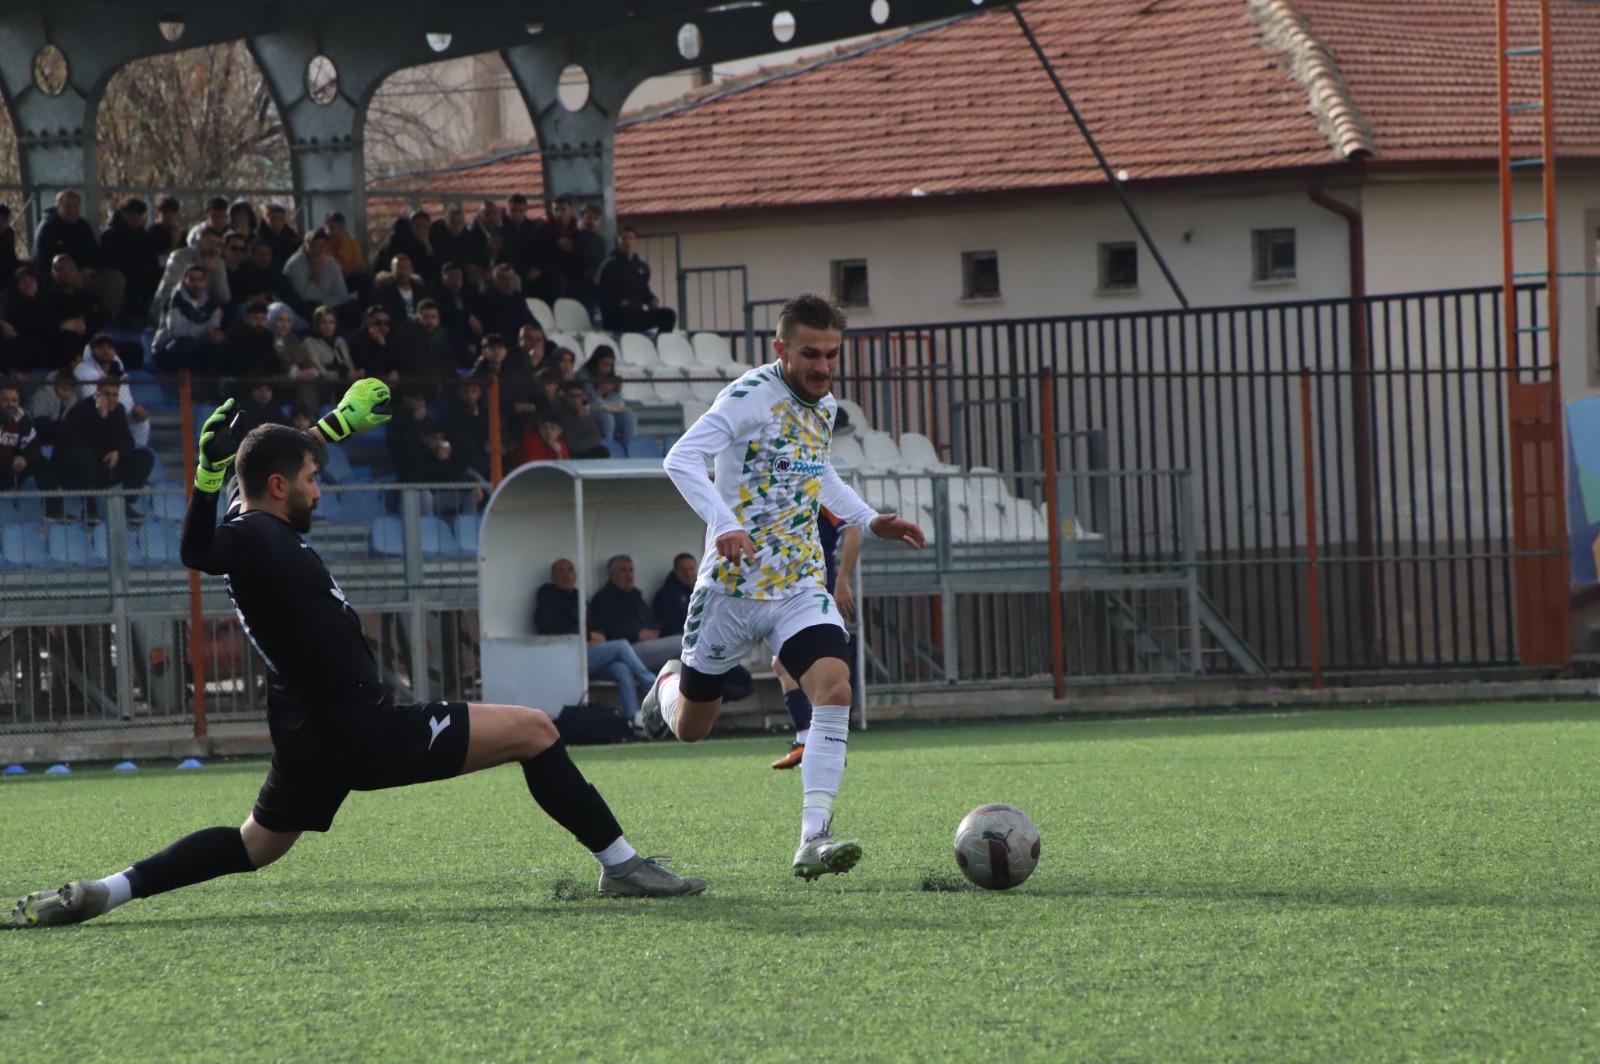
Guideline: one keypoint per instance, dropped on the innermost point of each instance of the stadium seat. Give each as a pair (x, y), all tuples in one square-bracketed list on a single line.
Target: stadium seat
[(644, 447), (467, 527), (155, 543), (879, 451), (68, 547), (847, 449), (637, 349), (438, 541), (362, 505), (918, 452), (711, 348), (675, 349), (692, 409), (23, 545), (567, 340), (857, 418), (330, 507), (976, 521), (336, 467), (615, 448), (388, 538), (542, 314), (592, 340), (572, 316)]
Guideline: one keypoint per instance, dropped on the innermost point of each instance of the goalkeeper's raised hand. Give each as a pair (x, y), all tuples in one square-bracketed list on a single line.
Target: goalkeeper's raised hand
[(217, 450), (365, 406)]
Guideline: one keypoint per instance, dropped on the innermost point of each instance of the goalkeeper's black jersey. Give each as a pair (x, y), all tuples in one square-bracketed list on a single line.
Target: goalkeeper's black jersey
[(292, 608)]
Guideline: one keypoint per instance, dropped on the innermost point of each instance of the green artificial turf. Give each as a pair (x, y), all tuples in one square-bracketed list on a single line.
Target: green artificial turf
[(1393, 884)]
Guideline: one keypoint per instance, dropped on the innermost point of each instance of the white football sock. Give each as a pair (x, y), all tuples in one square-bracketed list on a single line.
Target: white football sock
[(121, 891), (823, 767), (617, 854), (667, 699)]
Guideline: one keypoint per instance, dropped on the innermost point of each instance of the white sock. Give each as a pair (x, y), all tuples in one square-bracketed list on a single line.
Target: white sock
[(121, 891), (823, 767), (617, 854), (801, 735), (667, 699)]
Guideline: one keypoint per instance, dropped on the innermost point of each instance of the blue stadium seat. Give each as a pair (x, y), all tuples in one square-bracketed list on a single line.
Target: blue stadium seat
[(437, 539), (154, 543), (22, 546), (336, 470), (615, 448), (167, 506), (67, 547), (644, 447), (362, 505), (330, 507), (467, 526), (361, 474), (388, 537), (99, 551)]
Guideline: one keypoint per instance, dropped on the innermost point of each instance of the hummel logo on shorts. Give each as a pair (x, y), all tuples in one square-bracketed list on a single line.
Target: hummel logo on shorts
[(438, 726)]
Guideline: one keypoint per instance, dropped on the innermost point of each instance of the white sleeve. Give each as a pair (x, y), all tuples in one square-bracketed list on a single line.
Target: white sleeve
[(842, 499), (686, 463)]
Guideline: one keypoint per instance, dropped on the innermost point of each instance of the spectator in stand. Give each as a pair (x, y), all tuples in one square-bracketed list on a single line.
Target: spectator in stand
[(294, 361), (528, 245), (588, 255), (10, 261), (400, 290), (104, 362), (21, 448), (604, 390), (409, 236), (216, 218), (166, 231), (671, 603), (48, 406), (207, 253), (248, 352), (626, 302), (618, 611), (541, 442), (94, 448), (190, 336), (449, 240), (64, 231), (578, 426), (555, 612), (479, 243), (502, 308), (370, 350), (277, 231), (329, 353), (242, 219), (33, 340), (457, 304), (563, 232), (234, 253), (466, 425), (491, 360), (428, 458), (258, 406), (533, 346), (126, 244), (258, 277), (563, 361), (343, 249), (316, 279), (72, 309), (425, 353)]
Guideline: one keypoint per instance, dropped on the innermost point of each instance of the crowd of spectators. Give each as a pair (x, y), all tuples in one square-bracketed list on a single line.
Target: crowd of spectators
[(282, 320)]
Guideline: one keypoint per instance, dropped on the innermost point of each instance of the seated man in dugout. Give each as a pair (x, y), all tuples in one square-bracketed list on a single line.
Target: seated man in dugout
[(555, 612), (619, 611)]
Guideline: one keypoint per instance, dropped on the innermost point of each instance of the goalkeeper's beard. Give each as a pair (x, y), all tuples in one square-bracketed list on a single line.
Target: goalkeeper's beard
[(298, 511)]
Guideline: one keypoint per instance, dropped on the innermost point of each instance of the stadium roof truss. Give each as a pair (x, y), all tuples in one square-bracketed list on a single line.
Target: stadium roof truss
[(57, 57)]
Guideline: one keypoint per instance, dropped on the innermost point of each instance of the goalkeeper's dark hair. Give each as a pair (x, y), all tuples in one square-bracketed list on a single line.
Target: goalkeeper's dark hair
[(269, 449), (812, 311)]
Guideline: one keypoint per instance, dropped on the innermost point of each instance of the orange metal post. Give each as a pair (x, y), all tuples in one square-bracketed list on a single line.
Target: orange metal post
[(197, 638), (496, 459), (1313, 578), (1052, 502)]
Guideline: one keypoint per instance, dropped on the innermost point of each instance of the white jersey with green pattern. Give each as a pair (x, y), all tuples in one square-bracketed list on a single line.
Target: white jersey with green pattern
[(769, 449)]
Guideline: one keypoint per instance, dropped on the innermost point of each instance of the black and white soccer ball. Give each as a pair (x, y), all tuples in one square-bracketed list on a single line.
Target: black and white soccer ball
[(997, 846)]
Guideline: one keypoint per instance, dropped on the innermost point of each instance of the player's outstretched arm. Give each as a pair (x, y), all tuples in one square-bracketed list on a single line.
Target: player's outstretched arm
[(893, 526), (202, 547), (364, 406)]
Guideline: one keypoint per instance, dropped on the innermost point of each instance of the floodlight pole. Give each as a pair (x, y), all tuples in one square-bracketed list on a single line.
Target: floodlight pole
[(1105, 164)]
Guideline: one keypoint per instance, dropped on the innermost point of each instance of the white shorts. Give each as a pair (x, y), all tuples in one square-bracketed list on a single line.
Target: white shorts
[(720, 629)]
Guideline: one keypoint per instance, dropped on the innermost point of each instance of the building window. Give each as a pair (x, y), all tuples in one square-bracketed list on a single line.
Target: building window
[(850, 283), (980, 275), (1119, 267), (1274, 254)]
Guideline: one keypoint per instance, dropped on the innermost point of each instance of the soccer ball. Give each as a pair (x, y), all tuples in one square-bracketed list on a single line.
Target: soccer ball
[(997, 846)]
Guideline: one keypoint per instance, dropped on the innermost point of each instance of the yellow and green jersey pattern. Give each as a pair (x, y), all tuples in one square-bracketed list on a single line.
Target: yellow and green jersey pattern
[(771, 480)]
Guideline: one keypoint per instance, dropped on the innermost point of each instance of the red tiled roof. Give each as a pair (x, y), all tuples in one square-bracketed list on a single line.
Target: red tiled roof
[(1170, 88)]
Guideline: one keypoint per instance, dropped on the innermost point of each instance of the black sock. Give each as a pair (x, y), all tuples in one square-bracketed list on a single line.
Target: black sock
[(192, 859), (569, 799)]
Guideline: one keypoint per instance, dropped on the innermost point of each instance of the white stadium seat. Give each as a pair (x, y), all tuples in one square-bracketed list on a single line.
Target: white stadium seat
[(592, 340), (675, 350), (638, 349), (711, 348), (692, 409), (542, 314), (917, 452), (857, 418), (572, 316), (848, 450), (879, 450), (568, 341)]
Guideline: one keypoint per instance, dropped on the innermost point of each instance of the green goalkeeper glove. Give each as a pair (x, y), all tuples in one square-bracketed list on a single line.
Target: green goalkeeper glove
[(217, 450), (365, 406)]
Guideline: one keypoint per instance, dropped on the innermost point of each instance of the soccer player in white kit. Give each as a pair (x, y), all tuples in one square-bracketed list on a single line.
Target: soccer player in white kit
[(763, 575)]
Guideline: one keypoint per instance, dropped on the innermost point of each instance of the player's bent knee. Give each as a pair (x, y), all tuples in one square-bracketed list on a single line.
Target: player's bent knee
[(539, 732), (265, 846)]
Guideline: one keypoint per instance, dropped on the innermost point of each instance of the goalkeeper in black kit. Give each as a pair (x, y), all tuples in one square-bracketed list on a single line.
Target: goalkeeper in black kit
[(335, 726)]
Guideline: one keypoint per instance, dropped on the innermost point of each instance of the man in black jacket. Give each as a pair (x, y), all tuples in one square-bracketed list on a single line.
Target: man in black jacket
[(335, 725), (21, 449), (626, 302), (64, 231), (127, 245), (619, 611), (94, 448)]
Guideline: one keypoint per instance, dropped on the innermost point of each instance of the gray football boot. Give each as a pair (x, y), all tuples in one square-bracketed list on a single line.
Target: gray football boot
[(650, 706), (80, 900), (821, 854), (651, 878)]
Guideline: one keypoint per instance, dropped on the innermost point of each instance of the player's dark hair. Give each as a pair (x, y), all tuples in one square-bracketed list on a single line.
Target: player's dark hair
[(812, 311), (269, 449)]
